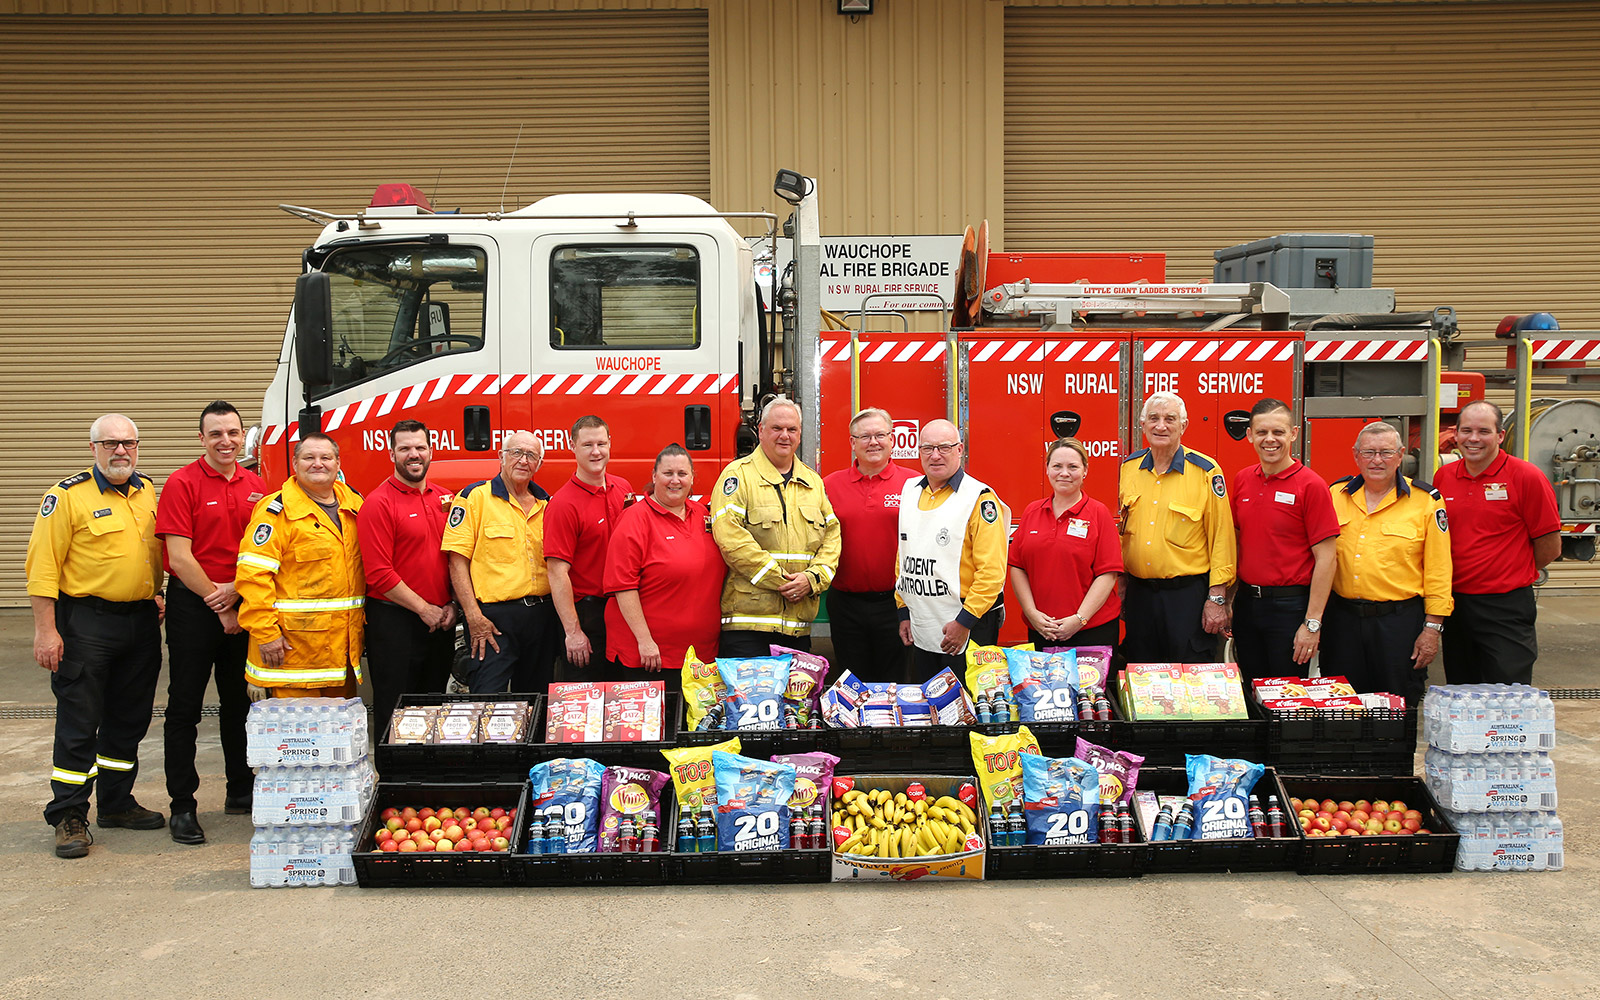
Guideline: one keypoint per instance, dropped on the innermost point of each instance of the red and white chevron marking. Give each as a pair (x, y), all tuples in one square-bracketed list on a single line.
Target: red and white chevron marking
[(649, 384), (994, 350), (1366, 350), (1220, 351), (1566, 350)]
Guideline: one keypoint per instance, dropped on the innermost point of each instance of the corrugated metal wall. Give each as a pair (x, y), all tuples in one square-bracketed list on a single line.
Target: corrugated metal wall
[(144, 157), (1465, 137)]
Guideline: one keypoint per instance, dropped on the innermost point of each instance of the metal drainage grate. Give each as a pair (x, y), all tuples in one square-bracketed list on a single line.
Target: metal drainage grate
[(49, 711), (1566, 694)]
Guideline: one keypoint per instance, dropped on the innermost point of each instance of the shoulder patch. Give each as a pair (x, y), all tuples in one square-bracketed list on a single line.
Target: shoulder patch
[(730, 486), (1219, 487), (1206, 464), (1444, 521), (262, 533), (276, 506), (72, 481), (49, 506), (989, 510), (458, 514)]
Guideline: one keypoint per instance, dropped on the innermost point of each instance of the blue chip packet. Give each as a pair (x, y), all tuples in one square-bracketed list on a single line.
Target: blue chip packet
[(755, 689), (752, 802), (1219, 791), (566, 795), (1060, 800), (1044, 685)]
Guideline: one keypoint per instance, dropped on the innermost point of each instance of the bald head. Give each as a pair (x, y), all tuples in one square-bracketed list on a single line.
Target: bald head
[(520, 457)]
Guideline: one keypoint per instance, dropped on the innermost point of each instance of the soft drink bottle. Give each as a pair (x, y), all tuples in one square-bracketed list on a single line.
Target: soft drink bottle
[(817, 829), (1124, 825), (1102, 707), (1108, 825), (1274, 817), (791, 718), (627, 840), (649, 837), (705, 829), (1258, 819), (688, 843), (1085, 707), (984, 712), (997, 827), (1162, 830), (799, 836), (1182, 826)]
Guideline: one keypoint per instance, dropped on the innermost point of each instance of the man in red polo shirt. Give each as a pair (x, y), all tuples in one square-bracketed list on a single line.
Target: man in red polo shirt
[(863, 621), (1288, 550), (204, 510), (577, 532), (1504, 528), (411, 621)]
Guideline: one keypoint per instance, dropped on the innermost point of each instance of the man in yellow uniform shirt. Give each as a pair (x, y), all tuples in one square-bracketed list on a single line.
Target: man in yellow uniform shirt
[(1178, 544), (1391, 589), (94, 580), (301, 584), (495, 538), (952, 557), (773, 522)]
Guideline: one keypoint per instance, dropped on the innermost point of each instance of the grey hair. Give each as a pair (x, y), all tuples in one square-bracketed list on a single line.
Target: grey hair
[(1375, 428), (1164, 397), (94, 428), (777, 401), (870, 412)]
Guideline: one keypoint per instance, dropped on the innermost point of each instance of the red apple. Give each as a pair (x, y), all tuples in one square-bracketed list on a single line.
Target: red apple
[(408, 813), (1313, 832), (431, 824), (389, 813), (407, 847), (454, 832), (500, 843), (1340, 824), (1373, 826), (446, 813), (1412, 814), (444, 846), (1360, 816), (384, 833), (1411, 825), (1343, 814), (389, 847), (394, 823), (1363, 805), (1392, 826), (1424, 830), (1397, 806), (1380, 805), (1347, 806), (425, 812), (1323, 823), (413, 824), (1329, 806), (482, 812), (1352, 832), (496, 812)]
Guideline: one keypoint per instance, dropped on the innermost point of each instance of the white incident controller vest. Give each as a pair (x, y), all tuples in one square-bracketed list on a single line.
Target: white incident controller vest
[(931, 541)]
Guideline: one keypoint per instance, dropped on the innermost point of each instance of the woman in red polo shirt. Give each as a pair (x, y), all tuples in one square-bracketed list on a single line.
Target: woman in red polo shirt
[(1065, 557), (664, 574)]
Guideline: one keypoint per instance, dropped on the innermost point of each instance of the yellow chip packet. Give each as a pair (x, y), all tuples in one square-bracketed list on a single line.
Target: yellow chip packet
[(999, 765), (692, 777), (988, 673), (702, 687)]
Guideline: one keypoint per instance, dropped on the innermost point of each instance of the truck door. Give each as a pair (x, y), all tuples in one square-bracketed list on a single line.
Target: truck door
[(638, 330), (414, 337)]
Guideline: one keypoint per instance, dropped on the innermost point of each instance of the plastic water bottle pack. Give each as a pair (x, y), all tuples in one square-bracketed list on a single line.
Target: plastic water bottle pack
[(305, 731), (1509, 842), (300, 856), (1488, 718), (313, 796)]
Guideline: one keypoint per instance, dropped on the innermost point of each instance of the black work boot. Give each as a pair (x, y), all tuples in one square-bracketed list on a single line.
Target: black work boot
[(135, 817)]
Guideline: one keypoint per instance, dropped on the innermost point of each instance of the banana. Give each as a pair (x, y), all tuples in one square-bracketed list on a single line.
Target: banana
[(922, 807), (876, 821), (899, 798), (952, 842), (849, 843)]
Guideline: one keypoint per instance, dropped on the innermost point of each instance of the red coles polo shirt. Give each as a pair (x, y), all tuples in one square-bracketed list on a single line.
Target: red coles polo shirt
[(401, 529), (677, 569), (578, 526), (210, 511), (1494, 518), (1279, 518), (1062, 556), (868, 509)]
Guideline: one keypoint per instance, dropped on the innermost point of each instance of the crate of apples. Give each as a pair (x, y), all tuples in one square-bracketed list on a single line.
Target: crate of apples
[(1357, 818), (425, 830)]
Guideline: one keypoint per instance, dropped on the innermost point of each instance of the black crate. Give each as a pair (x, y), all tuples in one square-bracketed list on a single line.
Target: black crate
[(1165, 743), (1075, 861), (610, 868), (753, 867), (459, 761), (1246, 854), (381, 870), (1325, 741), (1380, 854), (638, 754), (1056, 739)]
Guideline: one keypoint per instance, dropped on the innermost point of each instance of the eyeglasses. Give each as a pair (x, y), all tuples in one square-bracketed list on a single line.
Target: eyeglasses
[(518, 455), (124, 445), (943, 449), (1383, 453), (873, 436)]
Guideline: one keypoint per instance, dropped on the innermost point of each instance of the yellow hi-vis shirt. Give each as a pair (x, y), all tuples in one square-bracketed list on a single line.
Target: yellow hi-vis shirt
[(1397, 552), (92, 539), (504, 543), (767, 526), (983, 550), (300, 578), (1177, 523)]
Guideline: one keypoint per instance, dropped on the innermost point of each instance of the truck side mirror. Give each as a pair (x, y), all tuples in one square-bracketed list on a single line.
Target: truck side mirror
[(313, 329)]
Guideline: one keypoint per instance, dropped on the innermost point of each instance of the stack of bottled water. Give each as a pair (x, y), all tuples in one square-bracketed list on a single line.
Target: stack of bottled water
[(1488, 765), (313, 785)]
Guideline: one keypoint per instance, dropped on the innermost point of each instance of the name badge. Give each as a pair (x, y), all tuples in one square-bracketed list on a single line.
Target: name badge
[(1282, 497), (1077, 527), (1496, 491)]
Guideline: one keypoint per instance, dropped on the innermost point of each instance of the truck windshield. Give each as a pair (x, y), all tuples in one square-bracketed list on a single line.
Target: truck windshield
[(610, 296), (396, 305)]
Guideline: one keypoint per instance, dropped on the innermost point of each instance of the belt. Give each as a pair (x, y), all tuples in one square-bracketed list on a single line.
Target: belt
[(1170, 583), (880, 594), (589, 599), (112, 607), (1377, 609), (1255, 591), (532, 600)]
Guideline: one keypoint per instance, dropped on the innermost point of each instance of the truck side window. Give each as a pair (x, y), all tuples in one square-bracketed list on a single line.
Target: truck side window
[(624, 296), (396, 305)]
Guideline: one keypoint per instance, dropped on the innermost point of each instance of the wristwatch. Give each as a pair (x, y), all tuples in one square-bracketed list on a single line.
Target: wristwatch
[(1218, 600), (1436, 626), (1313, 625)]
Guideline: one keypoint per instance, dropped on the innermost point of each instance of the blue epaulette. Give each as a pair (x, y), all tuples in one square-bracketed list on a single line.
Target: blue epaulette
[(72, 481)]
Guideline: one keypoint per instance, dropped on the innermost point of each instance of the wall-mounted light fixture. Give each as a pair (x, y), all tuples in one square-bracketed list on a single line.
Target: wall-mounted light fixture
[(855, 8)]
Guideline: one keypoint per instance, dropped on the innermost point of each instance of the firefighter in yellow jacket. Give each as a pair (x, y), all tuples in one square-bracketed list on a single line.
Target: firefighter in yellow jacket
[(301, 584), (778, 535)]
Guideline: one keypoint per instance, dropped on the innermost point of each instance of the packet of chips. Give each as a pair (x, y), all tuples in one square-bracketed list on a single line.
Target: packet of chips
[(813, 777), (807, 673), (755, 687), (752, 802), (1119, 770), (1044, 685), (1094, 666), (692, 779), (628, 793), (1219, 789), (1060, 800), (999, 771), (566, 794), (702, 689), (988, 674)]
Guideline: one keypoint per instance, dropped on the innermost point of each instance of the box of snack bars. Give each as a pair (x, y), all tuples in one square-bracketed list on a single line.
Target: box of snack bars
[(1156, 691), (1215, 691), (576, 713), (633, 711)]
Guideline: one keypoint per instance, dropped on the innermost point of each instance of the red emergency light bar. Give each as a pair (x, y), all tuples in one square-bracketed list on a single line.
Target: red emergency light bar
[(389, 195)]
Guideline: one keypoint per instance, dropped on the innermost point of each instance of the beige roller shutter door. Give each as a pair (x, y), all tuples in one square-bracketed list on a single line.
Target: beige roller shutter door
[(1464, 137), (144, 159)]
